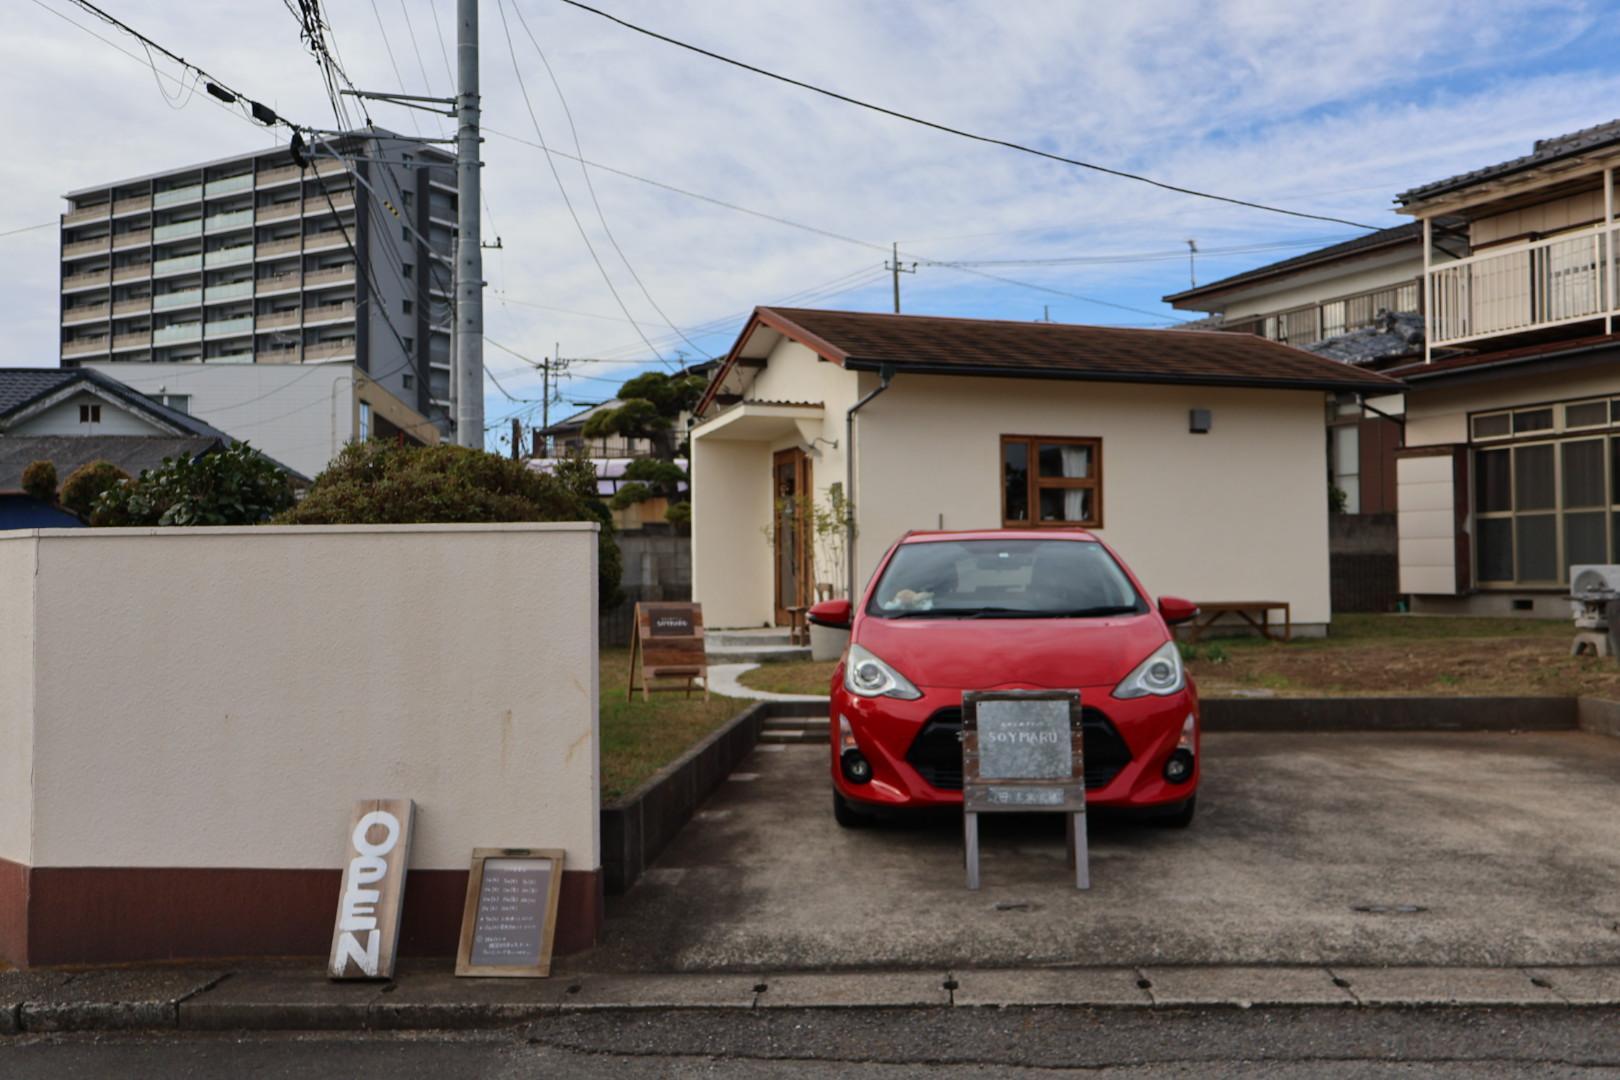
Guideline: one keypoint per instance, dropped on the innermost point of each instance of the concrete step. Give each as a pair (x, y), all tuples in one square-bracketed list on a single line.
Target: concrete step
[(763, 635), (755, 654), (794, 736)]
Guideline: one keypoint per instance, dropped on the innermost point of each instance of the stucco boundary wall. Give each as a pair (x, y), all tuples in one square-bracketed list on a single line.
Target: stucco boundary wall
[(188, 717)]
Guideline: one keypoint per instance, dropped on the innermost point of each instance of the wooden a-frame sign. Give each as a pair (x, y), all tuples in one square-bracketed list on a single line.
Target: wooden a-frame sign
[(667, 645)]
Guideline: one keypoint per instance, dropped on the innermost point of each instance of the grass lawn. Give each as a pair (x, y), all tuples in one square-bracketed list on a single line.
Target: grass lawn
[(1364, 654), (639, 738)]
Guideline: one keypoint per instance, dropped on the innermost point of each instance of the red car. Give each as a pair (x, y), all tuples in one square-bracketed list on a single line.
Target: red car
[(1002, 610)]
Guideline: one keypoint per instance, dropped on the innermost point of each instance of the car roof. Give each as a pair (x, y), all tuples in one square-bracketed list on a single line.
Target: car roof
[(932, 536)]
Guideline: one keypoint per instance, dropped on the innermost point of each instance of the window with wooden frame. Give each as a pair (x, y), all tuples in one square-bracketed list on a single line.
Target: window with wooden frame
[(1051, 482)]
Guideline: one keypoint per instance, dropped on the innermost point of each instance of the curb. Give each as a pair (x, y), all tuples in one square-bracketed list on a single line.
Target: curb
[(304, 1000)]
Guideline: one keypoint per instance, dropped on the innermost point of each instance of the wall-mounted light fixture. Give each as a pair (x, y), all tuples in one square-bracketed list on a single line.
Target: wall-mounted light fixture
[(1198, 421)]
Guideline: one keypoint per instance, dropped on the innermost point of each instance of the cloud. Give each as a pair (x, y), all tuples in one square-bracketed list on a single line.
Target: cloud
[(1306, 104)]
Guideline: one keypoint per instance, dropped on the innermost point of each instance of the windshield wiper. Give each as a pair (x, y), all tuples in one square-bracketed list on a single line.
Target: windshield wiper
[(1074, 613)]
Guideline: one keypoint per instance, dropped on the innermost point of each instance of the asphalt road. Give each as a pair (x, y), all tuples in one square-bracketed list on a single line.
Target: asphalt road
[(1358, 849), (1336, 1043)]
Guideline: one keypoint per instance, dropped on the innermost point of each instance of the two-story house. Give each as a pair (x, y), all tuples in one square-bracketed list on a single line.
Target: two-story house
[(1510, 472)]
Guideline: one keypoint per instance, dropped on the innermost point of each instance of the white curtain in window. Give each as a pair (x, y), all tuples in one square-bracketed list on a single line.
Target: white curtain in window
[(1074, 505), (1076, 461)]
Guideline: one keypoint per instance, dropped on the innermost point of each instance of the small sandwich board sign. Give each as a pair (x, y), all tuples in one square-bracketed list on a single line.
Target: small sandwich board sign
[(667, 644), (366, 936), (510, 920), (1023, 751)]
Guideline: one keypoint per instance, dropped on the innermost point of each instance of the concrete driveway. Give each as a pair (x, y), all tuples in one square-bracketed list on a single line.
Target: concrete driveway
[(1509, 843)]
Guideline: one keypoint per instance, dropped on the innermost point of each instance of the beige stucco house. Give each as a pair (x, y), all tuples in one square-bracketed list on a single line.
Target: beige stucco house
[(1199, 455)]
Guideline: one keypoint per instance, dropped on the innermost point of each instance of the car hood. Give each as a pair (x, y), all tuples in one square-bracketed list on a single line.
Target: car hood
[(984, 654)]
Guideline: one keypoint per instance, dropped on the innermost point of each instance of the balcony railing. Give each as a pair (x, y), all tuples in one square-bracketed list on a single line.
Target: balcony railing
[(187, 298), (277, 356), (135, 205), (1562, 279), (133, 238), (85, 345), (279, 211), (278, 176), (230, 327), (326, 350), (229, 184), (328, 313), (168, 335), (87, 213), (85, 247), (336, 276), (84, 281), (275, 282), (176, 229), (133, 307), (138, 340), (1329, 318), (277, 319), (280, 247), (236, 219), (137, 271), (180, 264), (84, 313), (176, 196), (231, 256), (235, 290)]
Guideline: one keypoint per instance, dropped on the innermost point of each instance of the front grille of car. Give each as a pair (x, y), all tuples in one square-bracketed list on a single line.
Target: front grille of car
[(936, 752)]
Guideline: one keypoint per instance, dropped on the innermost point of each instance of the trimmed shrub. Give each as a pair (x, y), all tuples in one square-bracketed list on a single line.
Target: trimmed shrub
[(39, 481), (381, 483), (237, 486), (86, 484)]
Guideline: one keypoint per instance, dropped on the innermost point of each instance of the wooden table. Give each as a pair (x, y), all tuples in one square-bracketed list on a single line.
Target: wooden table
[(1257, 613)]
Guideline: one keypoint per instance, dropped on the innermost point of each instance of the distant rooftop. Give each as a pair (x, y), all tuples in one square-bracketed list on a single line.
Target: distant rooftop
[(1411, 232), (1543, 152)]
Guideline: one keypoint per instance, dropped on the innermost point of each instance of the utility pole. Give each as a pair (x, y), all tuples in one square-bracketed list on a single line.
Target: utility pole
[(896, 269), (517, 438), (469, 359)]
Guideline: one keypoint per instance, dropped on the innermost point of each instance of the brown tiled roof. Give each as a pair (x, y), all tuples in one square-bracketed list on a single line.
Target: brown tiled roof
[(946, 346), (1471, 362)]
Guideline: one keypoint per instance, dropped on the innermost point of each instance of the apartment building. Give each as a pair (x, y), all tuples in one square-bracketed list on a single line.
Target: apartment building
[(260, 259), (1510, 473)]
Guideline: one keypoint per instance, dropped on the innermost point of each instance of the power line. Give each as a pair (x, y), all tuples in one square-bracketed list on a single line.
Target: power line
[(989, 139), (511, 48), (579, 149), (382, 32), (28, 228)]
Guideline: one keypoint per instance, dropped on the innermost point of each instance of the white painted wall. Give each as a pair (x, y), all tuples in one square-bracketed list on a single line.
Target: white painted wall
[(222, 697), (1439, 415), (17, 583), (1425, 492), (63, 419), (1236, 514), (299, 414)]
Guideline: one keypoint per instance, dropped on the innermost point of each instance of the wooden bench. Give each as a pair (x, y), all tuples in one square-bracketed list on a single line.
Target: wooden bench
[(1257, 613)]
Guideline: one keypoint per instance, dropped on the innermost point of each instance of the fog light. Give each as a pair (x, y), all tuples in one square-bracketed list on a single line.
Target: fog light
[(1179, 769), (857, 770)]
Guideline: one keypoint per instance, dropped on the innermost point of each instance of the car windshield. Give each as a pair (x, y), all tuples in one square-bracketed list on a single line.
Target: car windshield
[(1011, 578)]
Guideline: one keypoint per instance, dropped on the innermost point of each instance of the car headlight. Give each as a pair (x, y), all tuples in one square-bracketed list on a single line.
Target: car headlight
[(867, 676), (1160, 674)]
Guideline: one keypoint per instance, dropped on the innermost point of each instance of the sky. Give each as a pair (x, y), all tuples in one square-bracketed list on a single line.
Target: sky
[(1312, 106)]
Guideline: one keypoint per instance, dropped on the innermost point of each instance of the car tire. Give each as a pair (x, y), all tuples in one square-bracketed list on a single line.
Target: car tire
[(1182, 815), (845, 814)]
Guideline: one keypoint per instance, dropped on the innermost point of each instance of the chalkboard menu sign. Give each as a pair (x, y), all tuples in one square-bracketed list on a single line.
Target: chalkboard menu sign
[(667, 651), (511, 913)]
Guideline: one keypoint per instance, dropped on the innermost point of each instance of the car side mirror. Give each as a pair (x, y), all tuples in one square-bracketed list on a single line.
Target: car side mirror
[(1176, 610), (833, 613)]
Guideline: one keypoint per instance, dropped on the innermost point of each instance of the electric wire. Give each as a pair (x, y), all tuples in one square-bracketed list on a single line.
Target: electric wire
[(382, 32), (988, 139)]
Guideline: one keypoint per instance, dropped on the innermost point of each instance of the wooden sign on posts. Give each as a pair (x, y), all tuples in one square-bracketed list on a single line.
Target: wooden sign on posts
[(366, 935), (1024, 750), (667, 644), (510, 918)]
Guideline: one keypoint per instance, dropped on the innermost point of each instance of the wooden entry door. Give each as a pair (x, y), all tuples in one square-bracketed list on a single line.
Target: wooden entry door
[(793, 531)]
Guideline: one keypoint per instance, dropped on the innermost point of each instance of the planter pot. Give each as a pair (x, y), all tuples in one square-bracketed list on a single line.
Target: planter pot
[(827, 643)]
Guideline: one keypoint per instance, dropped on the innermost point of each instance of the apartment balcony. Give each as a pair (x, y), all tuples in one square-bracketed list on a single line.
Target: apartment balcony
[(236, 219), (98, 246), (85, 313), (240, 356), (96, 279), (277, 319), (330, 350), (132, 239), (176, 230), (328, 313), (276, 283), (341, 200), (97, 212), (172, 335), (85, 346), (177, 196), (136, 272), (231, 256), (140, 340), (277, 356), (139, 204), (180, 264), (1568, 278), (278, 211), (229, 327), (284, 175), (322, 241), (182, 299), (329, 167), (133, 307), (338, 276), (228, 185), (280, 247), (235, 290)]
